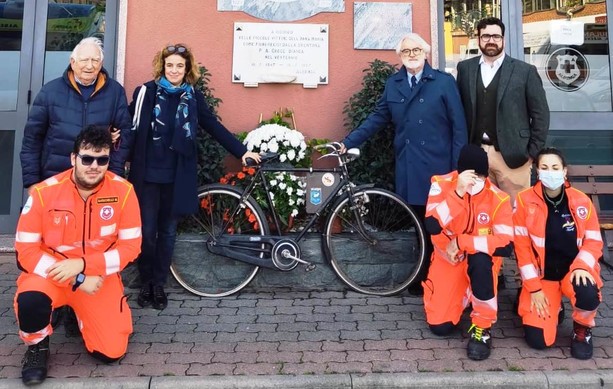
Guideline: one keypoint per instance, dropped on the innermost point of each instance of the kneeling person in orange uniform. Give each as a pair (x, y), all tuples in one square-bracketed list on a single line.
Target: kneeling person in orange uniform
[(557, 244), (76, 232), (471, 224)]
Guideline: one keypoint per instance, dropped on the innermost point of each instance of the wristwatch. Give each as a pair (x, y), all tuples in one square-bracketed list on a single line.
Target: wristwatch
[(78, 281)]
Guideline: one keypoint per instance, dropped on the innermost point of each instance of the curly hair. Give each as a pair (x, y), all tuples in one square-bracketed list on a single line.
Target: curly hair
[(95, 137), (192, 72)]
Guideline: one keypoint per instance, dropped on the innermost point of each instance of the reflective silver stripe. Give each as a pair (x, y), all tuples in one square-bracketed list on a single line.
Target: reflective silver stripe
[(521, 231), (32, 338), (491, 303), (27, 237), (112, 261), (587, 258), (51, 181), (43, 265), (64, 248), (108, 230), (579, 242), (443, 212), (528, 272), (480, 243), (503, 229), (538, 242), (431, 206), (130, 233), (595, 235)]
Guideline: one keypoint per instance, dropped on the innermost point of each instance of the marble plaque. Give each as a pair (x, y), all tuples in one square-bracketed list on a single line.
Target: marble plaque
[(280, 53), (380, 26), (282, 10)]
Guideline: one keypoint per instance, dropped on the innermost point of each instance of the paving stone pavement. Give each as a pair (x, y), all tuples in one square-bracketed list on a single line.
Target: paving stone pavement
[(283, 332)]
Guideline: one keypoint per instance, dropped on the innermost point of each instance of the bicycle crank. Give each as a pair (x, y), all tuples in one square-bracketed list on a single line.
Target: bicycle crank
[(286, 255)]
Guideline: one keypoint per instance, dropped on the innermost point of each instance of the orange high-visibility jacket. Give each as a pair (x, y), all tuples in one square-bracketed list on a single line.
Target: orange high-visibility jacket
[(56, 223), (530, 219), (481, 223)]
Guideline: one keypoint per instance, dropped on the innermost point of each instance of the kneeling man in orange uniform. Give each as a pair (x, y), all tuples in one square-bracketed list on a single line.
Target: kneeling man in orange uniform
[(76, 232), (471, 224)]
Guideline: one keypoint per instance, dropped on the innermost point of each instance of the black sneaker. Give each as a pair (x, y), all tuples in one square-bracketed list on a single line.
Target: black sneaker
[(71, 324), (479, 344), (35, 363), (561, 314), (145, 296), (160, 300), (581, 346)]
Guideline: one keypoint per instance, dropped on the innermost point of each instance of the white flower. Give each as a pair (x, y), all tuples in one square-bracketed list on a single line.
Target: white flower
[(282, 185), (273, 146), (289, 191), (294, 212), (263, 146), (282, 157), (300, 201), (299, 192), (273, 182), (291, 202), (291, 154)]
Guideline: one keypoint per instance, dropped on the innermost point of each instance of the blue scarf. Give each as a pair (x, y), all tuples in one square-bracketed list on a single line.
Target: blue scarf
[(183, 136)]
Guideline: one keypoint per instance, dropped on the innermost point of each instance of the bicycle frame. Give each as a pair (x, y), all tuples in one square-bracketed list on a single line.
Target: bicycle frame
[(227, 244)]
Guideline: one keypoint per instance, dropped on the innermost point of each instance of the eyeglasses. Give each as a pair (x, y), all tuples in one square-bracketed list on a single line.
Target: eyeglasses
[(87, 160), (178, 49), (415, 51), (488, 37)]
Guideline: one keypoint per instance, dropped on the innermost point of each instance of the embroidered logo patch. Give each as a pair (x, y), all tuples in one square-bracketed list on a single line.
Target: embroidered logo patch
[(435, 189), (483, 218), (106, 200), (582, 212), (315, 196), (107, 212), (27, 206)]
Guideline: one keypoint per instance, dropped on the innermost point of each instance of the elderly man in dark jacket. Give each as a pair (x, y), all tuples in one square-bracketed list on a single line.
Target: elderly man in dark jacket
[(424, 105), (84, 95)]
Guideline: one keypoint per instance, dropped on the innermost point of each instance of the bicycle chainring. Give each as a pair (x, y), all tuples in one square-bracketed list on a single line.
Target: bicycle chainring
[(280, 252)]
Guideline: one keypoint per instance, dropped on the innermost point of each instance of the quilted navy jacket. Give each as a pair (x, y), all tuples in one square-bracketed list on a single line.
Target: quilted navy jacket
[(59, 113)]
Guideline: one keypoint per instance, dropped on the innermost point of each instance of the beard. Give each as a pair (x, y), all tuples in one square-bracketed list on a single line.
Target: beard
[(413, 64), (84, 182), (491, 49)]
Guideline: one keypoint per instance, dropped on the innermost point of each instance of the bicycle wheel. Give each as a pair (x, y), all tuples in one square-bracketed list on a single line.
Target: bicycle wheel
[(208, 274), (387, 257)]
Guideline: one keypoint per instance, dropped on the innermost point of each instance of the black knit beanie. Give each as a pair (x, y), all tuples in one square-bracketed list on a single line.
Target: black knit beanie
[(473, 157)]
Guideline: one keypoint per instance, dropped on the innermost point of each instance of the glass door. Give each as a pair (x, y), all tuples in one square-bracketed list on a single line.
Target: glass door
[(16, 45), (459, 28), (31, 57)]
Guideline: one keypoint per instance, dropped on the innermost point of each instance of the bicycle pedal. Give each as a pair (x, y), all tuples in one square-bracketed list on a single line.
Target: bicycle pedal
[(310, 267)]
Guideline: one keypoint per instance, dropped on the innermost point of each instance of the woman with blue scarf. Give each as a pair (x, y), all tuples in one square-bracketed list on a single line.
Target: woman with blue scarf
[(164, 160)]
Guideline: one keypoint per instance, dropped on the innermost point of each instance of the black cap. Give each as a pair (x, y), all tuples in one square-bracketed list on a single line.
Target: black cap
[(473, 157)]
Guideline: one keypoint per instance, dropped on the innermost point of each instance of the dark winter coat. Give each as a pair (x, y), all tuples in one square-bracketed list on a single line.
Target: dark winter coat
[(185, 199), (430, 129), (59, 113)]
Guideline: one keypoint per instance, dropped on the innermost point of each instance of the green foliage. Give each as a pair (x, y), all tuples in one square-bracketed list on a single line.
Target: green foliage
[(280, 117), (377, 160), (210, 153)]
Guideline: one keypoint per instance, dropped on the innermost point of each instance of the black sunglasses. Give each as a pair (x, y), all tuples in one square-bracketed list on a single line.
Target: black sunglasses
[(178, 49), (88, 160)]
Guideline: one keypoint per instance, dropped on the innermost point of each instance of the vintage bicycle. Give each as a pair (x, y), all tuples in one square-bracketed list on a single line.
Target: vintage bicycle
[(372, 239)]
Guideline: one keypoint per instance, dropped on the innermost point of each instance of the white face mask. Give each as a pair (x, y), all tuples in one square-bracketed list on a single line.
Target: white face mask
[(478, 187), (551, 179)]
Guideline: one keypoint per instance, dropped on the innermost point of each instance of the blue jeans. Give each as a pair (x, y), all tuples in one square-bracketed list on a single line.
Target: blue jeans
[(159, 232)]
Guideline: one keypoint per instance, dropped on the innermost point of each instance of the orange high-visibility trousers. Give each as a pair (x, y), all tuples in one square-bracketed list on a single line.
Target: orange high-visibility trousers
[(447, 292), (554, 290), (104, 318)]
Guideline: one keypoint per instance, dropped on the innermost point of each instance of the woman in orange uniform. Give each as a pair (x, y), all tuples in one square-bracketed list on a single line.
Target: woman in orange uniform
[(558, 244)]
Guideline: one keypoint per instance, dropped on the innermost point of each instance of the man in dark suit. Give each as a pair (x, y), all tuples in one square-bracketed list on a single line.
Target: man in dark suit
[(424, 105), (505, 107)]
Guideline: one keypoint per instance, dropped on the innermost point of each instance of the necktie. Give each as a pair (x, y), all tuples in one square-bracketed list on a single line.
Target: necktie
[(413, 82)]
